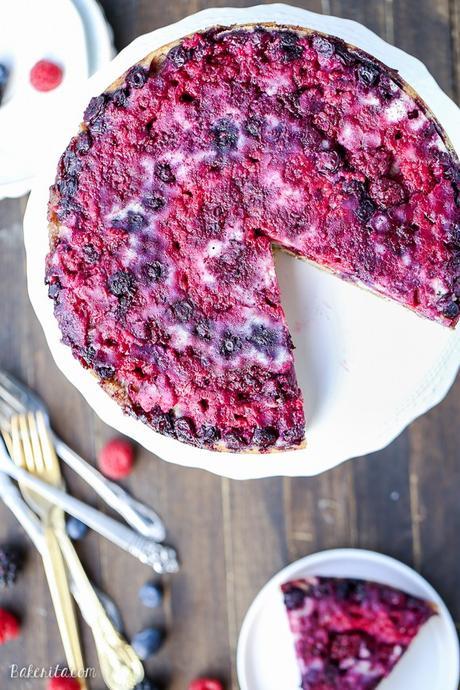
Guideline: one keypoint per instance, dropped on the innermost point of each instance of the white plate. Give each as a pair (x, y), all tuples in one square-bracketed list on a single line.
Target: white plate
[(77, 37), (266, 659), (367, 367)]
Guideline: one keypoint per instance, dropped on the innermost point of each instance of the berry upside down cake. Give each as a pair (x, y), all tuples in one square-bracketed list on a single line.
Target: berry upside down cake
[(349, 634), (184, 175)]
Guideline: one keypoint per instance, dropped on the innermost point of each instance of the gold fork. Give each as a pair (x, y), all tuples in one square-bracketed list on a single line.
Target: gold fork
[(120, 666), (27, 452)]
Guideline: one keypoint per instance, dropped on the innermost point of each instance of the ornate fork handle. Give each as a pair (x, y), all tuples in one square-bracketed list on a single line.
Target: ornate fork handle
[(120, 666), (137, 514), (162, 559)]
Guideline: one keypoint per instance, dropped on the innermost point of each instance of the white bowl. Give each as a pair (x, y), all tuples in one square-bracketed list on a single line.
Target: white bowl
[(266, 659), (367, 367)]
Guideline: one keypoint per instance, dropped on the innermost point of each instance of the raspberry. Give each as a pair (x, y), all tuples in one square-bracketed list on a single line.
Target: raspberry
[(205, 684), (116, 458), (9, 626), (45, 75), (63, 683)]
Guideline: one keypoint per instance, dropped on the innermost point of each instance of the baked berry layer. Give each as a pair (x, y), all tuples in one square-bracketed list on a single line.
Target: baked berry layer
[(185, 174), (349, 634)]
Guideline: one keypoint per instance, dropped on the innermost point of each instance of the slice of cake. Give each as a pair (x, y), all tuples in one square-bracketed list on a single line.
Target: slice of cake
[(184, 175), (349, 634)]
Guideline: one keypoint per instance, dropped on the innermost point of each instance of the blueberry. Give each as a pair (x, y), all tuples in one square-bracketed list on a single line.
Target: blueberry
[(163, 422), (365, 209), (137, 77), (179, 55), (209, 434), (451, 310), (151, 594), (328, 161), (253, 126), (90, 253), (203, 329), (75, 528), (88, 354), (3, 80), (265, 436), (70, 162), (120, 97), (183, 310), (230, 345), (154, 271), (84, 142), (122, 284), (147, 642), (146, 684), (54, 289), (67, 186), (323, 46), (132, 222), (11, 562), (225, 134), (344, 54), (185, 430), (156, 202), (111, 609), (294, 435), (95, 108), (105, 371), (294, 598), (368, 74), (290, 46), (164, 173), (263, 338)]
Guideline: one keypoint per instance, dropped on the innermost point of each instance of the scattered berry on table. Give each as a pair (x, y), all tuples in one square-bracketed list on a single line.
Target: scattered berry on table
[(151, 594), (76, 529), (111, 609), (45, 75), (9, 626), (63, 683), (116, 458), (11, 560), (147, 642), (3, 80), (205, 684), (146, 684)]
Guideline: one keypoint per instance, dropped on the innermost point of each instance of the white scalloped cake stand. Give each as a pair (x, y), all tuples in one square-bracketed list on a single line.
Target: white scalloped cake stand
[(367, 367)]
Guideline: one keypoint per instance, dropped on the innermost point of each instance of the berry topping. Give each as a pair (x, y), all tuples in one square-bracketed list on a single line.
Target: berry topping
[(11, 561), (205, 684), (151, 594), (116, 458), (63, 682), (46, 75), (122, 284), (137, 77), (350, 633), (185, 175), (75, 528), (225, 134), (10, 628), (147, 642)]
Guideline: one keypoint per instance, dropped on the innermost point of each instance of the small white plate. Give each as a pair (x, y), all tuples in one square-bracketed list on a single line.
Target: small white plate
[(73, 34), (266, 659)]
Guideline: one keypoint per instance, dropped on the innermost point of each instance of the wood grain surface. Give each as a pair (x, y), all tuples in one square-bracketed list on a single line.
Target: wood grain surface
[(403, 501)]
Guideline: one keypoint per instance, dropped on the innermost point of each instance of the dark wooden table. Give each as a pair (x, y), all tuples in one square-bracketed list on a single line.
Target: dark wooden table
[(403, 501)]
